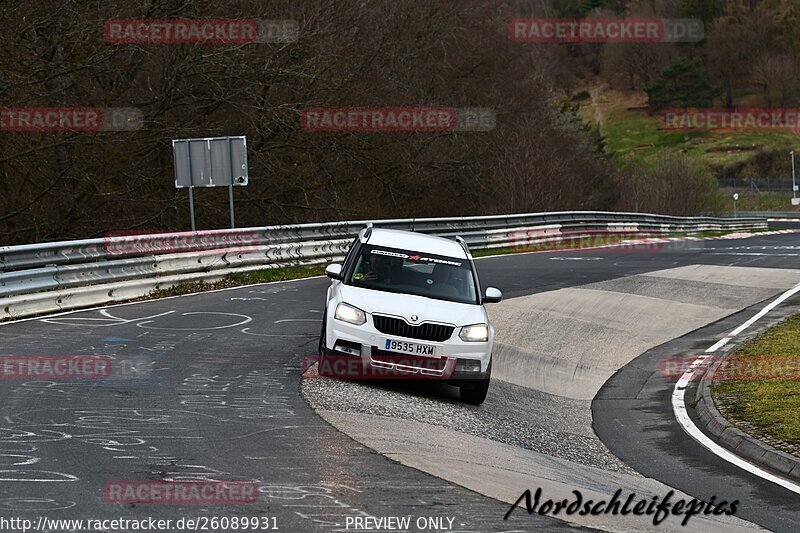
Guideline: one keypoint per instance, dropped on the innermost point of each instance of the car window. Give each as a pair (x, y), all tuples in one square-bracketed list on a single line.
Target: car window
[(410, 272), (351, 254)]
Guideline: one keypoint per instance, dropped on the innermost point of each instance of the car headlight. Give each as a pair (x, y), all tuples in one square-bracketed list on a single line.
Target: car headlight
[(351, 315), (475, 333)]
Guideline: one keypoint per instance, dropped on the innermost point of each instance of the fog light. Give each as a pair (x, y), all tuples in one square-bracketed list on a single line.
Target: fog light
[(351, 348), (468, 365)]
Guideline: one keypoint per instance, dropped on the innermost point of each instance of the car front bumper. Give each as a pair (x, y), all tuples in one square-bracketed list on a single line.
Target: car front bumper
[(464, 360)]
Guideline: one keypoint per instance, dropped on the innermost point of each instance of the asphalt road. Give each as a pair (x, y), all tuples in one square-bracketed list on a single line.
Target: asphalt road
[(633, 416), (207, 387)]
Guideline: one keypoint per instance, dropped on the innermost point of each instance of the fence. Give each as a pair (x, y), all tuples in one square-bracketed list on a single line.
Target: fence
[(47, 277)]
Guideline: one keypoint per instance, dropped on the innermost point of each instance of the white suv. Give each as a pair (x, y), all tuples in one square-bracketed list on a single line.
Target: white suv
[(411, 303)]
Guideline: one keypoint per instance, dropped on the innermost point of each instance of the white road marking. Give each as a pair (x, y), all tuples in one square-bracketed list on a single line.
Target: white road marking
[(30, 475), (682, 416), (756, 254), (246, 331), (110, 320), (245, 320), (103, 307), (769, 307), (719, 345), (576, 258)]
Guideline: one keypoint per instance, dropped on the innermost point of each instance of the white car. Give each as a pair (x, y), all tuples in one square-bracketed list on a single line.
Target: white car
[(410, 303)]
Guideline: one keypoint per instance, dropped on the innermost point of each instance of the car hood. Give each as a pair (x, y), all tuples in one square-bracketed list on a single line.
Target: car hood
[(405, 305)]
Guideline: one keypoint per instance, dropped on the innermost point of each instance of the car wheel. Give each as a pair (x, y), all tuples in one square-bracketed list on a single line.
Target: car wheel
[(475, 393)]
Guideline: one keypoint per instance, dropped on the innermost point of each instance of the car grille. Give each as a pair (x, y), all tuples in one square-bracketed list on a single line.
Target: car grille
[(426, 331)]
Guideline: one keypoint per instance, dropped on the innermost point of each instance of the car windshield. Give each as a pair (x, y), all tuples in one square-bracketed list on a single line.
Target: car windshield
[(409, 272)]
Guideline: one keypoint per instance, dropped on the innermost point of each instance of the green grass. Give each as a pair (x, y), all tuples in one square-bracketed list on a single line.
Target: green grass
[(767, 408), (633, 135), (237, 280), (278, 274), (766, 202)]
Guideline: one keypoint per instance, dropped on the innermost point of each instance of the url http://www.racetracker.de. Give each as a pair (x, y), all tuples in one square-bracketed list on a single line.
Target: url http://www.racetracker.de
[(199, 523)]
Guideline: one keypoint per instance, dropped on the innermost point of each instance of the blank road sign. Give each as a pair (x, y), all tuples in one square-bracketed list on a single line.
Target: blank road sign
[(210, 162)]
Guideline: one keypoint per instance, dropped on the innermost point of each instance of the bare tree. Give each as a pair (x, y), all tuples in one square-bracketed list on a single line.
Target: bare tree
[(350, 54)]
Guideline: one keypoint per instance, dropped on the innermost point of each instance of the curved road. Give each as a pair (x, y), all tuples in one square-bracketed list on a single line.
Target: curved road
[(207, 386)]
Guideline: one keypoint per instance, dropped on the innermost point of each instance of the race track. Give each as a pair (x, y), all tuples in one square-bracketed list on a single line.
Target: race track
[(208, 386)]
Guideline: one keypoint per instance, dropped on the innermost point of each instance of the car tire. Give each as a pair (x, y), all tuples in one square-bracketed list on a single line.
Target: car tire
[(322, 348), (475, 393)]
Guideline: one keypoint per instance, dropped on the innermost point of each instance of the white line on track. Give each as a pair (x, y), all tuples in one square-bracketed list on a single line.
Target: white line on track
[(679, 404), (719, 344), (102, 307)]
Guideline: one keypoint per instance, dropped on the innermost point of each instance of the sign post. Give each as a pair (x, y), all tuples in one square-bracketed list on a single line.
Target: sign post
[(210, 162), (735, 197), (795, 199)]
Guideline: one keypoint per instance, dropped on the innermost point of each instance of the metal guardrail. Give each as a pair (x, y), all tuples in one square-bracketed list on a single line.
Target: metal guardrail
[(47, 277), (770, 214)]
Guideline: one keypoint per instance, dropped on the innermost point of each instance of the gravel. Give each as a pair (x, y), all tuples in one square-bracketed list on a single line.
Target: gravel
[(513, 415)]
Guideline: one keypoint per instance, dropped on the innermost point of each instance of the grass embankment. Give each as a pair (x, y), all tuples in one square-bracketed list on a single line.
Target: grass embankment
[(635, 135), (238, 280), (766, 202), (766, 408)]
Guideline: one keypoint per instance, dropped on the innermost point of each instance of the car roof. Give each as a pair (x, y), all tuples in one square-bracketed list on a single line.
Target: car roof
[(416, 242)]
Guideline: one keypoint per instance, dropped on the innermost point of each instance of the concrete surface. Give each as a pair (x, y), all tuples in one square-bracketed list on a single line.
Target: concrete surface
[(504, 472), (564, 345)]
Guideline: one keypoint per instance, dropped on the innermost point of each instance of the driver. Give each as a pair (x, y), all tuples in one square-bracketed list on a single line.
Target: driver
[(382, 268), (442, 275)]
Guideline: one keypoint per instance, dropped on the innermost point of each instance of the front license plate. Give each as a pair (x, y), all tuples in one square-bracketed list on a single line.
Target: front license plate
[(410, 347)]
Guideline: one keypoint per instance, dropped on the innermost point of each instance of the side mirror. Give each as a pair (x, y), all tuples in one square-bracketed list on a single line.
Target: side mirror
[(334, 271), (492, 296)]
